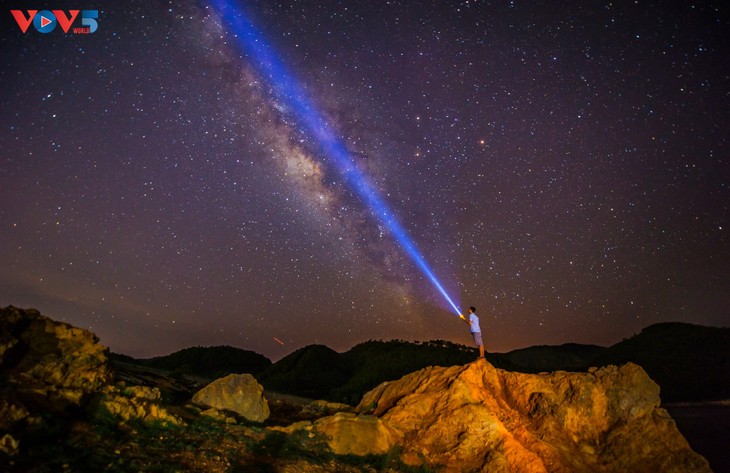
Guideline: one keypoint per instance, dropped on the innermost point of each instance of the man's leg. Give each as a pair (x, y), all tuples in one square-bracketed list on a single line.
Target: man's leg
[(478, 341)]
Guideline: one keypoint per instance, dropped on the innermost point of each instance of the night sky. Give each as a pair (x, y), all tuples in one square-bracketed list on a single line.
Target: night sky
[(562, 166)]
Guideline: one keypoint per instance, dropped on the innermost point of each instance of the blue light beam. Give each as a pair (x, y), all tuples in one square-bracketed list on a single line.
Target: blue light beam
[(286, 89)]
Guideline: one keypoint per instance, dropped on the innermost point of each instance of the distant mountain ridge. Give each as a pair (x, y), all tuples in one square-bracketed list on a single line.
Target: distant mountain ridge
[(345, 377), (689, 362), (566, 357), (208, 362)]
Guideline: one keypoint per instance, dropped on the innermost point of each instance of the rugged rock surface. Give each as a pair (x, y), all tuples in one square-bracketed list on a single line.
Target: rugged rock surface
[(238, 393), (479, 418), (133, 402), (350, 434), (51, 366), (53, 359), (346, 433)]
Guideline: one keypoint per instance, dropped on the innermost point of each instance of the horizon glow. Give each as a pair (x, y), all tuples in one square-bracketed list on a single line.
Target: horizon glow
[(287, 89)]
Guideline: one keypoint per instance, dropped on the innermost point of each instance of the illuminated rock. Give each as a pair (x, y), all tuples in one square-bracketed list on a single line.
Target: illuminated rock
[(238, 393), (479, 418), (50, 358), (347, 433), (133, 402)]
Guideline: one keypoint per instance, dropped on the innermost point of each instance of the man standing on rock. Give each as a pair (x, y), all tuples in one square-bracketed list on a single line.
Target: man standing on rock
[(476, 332)]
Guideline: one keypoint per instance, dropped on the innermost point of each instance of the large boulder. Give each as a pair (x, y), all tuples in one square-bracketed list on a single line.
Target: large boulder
[(479, 418), (238, 393), (50, 358)]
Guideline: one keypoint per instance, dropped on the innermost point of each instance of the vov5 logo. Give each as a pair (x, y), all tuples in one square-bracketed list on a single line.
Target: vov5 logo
[(46, 21)]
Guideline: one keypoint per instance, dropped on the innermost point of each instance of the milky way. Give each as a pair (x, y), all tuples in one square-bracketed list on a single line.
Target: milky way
[(563, 167)]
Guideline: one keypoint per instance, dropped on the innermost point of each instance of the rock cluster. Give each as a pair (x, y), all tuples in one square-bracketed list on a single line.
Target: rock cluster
[(133, 402), (51, 366)]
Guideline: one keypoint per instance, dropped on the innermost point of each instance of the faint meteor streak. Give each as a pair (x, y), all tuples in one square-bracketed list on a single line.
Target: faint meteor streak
[(278, 341), (299, 107)]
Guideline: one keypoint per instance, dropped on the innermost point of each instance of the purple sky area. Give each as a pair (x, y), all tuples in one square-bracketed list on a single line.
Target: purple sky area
[(562, 166)]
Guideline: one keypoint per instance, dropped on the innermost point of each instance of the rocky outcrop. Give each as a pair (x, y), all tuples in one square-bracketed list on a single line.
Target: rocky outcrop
[(132, 403), (479, 418), (53, 365), (53, 359), (237, 393)]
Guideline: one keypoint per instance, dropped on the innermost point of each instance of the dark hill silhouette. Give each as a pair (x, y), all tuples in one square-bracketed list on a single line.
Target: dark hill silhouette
[(312, 371), (207, 362), (375, 361), (319, 372), (689, 362), (566, 357)]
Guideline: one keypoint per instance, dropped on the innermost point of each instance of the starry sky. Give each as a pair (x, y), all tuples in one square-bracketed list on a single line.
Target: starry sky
[(562, 166)]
